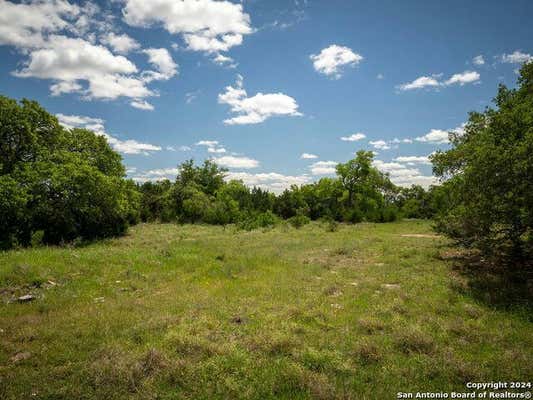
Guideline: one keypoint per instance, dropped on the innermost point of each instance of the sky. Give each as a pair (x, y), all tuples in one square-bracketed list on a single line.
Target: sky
[(276, 91)]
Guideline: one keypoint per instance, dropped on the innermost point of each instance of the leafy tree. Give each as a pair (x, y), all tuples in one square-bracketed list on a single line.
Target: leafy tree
[(156, 202), (355, 173), (64, 183), (489, 177)]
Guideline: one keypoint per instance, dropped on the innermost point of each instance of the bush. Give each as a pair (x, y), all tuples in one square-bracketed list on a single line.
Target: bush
[(257, 221), (389, 214), (354, 215), (330, 224), (298, 221)]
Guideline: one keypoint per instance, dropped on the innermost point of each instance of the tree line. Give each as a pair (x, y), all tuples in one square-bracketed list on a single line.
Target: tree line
[(360, 192), (58, 185)]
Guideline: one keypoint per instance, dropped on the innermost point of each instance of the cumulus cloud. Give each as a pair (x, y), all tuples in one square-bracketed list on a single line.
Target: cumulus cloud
[(78, 66), (516, 57), (420, 83), (413, 160), (354, 137), (331, 60), (258, 108), (154, 174), (213, 146), (121, 44), (59, 43), (223, 60), (142, 105), (439, 136), (478, 60), (434, 82), (308, 156), (26, 25), (164, 64), (380, 144), (70, 59), (463, 78), (205, 25), (216, 150), (208, 143), (97, 126), (236, 162), (404, 176), (323, 167), (270, 180), (434, 136)]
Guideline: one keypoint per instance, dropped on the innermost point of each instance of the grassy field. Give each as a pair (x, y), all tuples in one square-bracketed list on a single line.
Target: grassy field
[(202, 312)]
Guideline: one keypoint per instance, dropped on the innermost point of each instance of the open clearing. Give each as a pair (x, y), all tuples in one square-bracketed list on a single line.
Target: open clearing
[(202, 312)]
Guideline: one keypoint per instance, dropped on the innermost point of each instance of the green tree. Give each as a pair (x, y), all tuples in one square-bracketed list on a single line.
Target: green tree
[(65, 183), (489, 177)]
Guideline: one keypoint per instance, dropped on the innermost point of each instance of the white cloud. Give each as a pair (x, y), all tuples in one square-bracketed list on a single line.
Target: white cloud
[(478, 60), (142, 105), (163, 62), (439, 136), (185, 148), (331, 60), (221, 59), (43, 33), (70, 62), (380, 76), (236, 162), (413, 160), (271, 180), (206, 25), (463, 78), (59, 88), (380, 144), (26, 25), (517, 57), (354, 137), (308, 156), (121, 44), (433, 81), (216, 150), (323, 167), (208, 143), (71, 59), (97, 126), (403, 176), (155, 174), (258, 108), (434, 136), (162, 172), (420, 83)]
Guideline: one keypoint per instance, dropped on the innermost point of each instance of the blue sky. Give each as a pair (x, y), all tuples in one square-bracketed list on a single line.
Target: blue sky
[(267, 80)]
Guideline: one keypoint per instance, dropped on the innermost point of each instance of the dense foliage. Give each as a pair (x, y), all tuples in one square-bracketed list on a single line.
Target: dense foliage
[(56, 184), (360, 193), (489, 177), (59, 184)]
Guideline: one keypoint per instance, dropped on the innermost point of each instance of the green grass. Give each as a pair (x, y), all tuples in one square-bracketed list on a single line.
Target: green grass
[(202, 312)]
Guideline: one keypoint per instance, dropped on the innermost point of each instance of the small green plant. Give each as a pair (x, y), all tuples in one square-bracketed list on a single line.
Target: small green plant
[(332, 226), (299, 220)]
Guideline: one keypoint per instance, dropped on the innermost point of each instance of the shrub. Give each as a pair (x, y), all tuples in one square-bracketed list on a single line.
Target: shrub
[(354, 215), (298, 221), (257, 221)]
